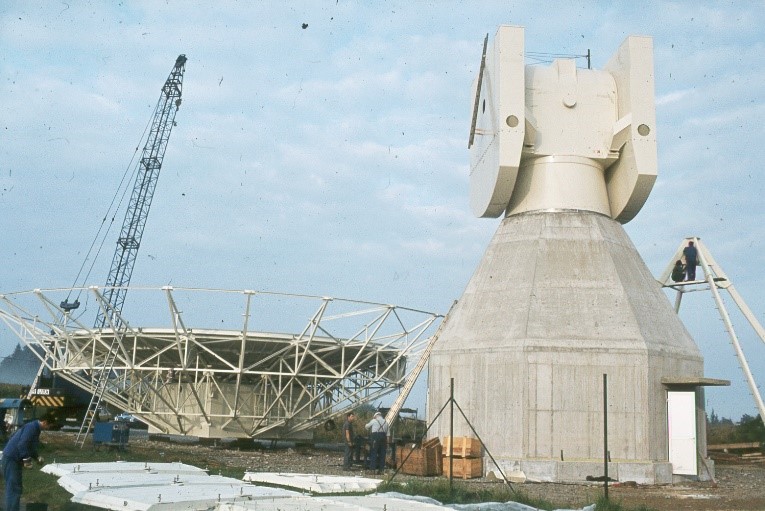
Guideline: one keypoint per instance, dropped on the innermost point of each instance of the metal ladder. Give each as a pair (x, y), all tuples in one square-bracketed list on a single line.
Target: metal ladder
[(100, 379)]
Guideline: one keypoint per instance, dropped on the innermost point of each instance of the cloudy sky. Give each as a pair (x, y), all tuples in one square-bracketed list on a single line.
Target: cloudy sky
[(332, 159)]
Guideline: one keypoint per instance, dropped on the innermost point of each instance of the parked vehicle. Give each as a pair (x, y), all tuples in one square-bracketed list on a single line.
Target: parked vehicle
[(126, 417), (13, 413)]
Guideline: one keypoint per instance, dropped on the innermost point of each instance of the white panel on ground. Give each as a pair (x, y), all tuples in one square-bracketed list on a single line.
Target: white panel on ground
[(315, 483), (385, 501), (141, 487), (130, 486), (681, 423), (84, 481), (175, 498), (60, 469), (294, 504), (378, 502)]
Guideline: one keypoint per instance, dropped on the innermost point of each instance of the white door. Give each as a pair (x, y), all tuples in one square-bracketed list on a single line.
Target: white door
[(681, 424)]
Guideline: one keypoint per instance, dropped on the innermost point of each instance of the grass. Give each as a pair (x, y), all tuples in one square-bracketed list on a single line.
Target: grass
[(609, 505), (41, 487)]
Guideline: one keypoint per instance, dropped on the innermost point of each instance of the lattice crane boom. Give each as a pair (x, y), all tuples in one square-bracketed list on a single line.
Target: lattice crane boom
[(110, 310), (137, 212)]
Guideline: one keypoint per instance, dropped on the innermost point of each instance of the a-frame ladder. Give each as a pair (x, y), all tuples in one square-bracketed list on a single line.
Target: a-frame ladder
[(714, 279)]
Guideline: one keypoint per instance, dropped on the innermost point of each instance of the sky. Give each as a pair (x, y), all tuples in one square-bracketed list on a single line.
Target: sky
[(321, 146)]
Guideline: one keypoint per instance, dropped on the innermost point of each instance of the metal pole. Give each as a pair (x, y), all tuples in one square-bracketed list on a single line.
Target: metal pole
[(504, 478), (732, 333), (451, 434), (426, 430), (605, 435), (678, 299)]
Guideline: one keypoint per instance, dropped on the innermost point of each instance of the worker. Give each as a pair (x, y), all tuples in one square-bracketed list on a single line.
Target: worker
[(691, 260), (19, 452), (678, 272), (348, 440), (378, 434)]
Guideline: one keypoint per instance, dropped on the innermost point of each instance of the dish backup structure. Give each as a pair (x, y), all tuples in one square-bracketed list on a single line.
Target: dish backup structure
[(561, 296), (224, 363)]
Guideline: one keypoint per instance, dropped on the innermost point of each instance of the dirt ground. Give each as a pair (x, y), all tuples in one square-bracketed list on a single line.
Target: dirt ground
[(739, 487)]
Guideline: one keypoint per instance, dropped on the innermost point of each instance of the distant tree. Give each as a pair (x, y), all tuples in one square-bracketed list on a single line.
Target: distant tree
[(750, 429), (10, 390), (19, 367), (721, 430)]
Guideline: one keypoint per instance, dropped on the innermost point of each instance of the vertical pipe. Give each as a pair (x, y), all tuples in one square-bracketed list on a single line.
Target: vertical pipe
[(605, 436), (451, 434)]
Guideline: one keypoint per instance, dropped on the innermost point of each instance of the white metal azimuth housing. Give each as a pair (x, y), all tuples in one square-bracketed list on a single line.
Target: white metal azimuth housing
[(561, 138)]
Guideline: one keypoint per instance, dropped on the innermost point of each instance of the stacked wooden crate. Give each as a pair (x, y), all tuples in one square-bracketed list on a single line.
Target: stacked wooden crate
[(420, 460), (466, 459)]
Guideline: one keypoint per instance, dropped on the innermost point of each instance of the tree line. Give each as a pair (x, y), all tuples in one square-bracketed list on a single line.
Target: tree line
[(724, 431), (20, 367)]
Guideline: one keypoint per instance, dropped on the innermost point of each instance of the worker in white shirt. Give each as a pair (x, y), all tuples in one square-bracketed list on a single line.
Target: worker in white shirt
[(378, 435)]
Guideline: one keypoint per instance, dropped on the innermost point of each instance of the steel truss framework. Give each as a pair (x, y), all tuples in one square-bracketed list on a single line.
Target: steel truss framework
[(235, 382), (715, 279)]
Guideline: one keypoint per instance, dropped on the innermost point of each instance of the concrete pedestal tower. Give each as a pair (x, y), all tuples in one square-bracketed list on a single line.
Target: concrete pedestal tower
[(561, 296)]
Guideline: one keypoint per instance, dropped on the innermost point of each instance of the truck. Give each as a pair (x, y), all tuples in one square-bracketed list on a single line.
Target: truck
[(66, 400)]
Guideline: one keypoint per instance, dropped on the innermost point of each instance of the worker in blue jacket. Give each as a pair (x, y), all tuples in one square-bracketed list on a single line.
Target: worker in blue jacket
[(19, 452)]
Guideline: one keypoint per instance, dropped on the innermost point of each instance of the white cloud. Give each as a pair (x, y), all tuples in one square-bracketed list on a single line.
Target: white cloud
[(672, 97)]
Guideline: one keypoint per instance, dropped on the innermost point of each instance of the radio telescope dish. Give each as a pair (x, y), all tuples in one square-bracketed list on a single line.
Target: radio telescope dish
[(220, 363)]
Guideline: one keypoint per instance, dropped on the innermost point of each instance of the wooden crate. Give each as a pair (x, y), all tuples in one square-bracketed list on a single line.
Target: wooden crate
[(421, 460), (465, 468), (464, 447)]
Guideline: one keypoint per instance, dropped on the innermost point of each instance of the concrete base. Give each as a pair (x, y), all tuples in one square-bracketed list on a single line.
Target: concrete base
[(706, 473), (578, 471), (560, 299)]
